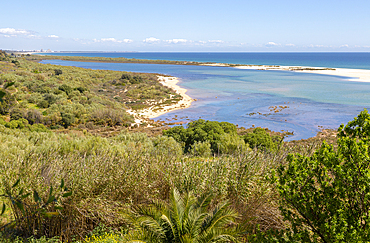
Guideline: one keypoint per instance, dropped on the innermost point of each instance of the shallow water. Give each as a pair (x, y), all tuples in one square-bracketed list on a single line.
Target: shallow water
[(245, 97)]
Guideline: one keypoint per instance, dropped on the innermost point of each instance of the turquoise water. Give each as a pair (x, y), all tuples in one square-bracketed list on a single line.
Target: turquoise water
[(245, 97)]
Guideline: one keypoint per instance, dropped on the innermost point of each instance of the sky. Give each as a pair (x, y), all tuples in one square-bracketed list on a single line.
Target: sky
[(185, 26)]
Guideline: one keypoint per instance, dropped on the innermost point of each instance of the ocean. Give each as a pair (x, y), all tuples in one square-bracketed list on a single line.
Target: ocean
[(306, 102)]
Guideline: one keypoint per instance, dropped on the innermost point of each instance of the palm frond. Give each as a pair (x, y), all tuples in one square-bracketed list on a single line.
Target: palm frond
[(222, 215), (204, 201)]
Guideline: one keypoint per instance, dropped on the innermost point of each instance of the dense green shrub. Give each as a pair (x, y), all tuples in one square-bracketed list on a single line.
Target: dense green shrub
[(21, 123), (33, 116), (58, 72), (81, 89), (67, 119), (66, 88), (201, 149), (222, 136), (326, 197), (111, 117), (133, 79), (260, 139), (16, 114)]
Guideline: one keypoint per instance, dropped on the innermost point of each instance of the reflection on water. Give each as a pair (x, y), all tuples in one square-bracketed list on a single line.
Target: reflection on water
[(246, 97)]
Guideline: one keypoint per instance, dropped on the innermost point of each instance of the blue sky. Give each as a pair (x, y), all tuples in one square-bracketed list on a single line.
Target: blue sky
[(191, 25)]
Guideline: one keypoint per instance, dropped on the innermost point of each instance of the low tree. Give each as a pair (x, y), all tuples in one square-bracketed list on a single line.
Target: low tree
[(326, 197), (260, 139), (58, 72), (206, 131)]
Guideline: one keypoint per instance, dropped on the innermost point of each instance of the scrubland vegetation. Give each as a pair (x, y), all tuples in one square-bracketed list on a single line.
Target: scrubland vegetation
[(208, 182), (109, 59), (57, 96)]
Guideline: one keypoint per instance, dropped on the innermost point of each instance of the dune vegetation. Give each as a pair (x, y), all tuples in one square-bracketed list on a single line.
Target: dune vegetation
[(72, 168)]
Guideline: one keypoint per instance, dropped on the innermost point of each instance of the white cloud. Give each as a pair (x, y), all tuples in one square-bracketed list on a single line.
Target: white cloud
[(316, 46), (114, 40), (344, 46), (11, 31), (289, 45), (215, 41), (271, 44), (177, 41), (151, 40), (53, 36)]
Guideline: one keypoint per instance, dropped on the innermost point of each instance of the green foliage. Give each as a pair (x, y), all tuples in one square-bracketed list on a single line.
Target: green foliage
[(109, 117), (358, 128), (81, 89), (16, 114), (260, 139), (16, 62), (33, 215), (326, 197), (67, 119), (184, 219), (7, 100), (66, 88), (107, 175), (221, 136), (133, 79), (58, 72), (33, 116), (21, 123), (168, 146), (201, 149)]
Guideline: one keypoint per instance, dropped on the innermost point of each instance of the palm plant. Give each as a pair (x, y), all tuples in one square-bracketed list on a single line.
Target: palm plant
[(184, 219)]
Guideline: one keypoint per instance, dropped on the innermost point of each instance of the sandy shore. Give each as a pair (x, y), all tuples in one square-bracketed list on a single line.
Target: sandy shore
[(156, 111), (357, 75)]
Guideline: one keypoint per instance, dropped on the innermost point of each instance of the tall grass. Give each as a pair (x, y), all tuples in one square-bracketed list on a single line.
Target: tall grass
[(108, 175)]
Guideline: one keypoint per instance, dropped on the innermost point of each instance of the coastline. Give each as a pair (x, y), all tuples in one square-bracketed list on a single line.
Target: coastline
[(355, 75), (153, 111)]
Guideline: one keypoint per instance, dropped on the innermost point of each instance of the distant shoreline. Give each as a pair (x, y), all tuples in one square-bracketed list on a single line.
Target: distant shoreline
[(356, 75)]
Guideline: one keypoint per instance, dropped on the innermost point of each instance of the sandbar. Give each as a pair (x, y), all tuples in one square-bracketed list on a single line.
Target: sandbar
[(155, 111), (356, 75)]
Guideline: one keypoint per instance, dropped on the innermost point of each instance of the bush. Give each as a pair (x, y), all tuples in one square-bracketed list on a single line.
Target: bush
[(202, 131), (33, 116), (43, 104), (325, 197), (67, 119), (21, 123), (16, 114), (58, 72), (260, 139), (201, 149), (65, 88), (110, 117), (232, 143), (166, 146)]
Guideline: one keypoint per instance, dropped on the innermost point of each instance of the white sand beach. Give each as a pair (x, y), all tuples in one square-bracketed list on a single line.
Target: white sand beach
[(156, 111), (357, 75)]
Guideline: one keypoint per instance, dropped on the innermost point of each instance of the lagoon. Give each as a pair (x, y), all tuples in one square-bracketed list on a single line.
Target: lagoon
[(306, 102)]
